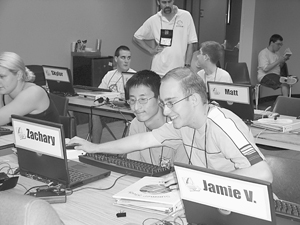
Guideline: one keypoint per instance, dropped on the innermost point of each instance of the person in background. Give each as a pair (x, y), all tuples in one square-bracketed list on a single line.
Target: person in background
[(174, 35), (115, 81), (213, 137), (143, 89), (19, 95), (270, 63), (209, 54)]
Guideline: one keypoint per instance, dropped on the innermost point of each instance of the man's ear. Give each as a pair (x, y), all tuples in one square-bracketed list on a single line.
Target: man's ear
[(116, 59), (196, 99)]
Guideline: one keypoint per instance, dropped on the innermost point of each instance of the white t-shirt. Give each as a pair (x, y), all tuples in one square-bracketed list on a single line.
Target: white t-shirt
[(113, 81), (220, 75), (265, 58), (184, 33)]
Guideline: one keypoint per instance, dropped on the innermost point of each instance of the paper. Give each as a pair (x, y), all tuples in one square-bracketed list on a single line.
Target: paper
[(287, 52)]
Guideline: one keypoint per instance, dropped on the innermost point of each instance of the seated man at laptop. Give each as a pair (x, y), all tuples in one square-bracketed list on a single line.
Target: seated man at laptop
[(115, 81), (208, 56), (143, 91), (19, 95), (213, 137)]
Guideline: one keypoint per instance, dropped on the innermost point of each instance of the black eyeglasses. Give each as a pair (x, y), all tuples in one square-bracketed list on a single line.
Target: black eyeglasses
[(171, 104), (142, 101)]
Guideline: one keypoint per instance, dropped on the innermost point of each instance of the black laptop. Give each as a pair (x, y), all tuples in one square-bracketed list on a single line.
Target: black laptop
[(42, 154), (213, 197), (234, 97), (59, 80)]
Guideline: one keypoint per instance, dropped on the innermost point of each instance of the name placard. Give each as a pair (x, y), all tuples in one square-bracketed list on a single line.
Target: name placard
[(229, 92), (56, 74), (38, 138), (224, 193)]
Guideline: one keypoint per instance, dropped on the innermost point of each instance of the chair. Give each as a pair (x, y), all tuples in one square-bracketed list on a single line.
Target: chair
[(239, 72), (287, 106), (285, 78), (68, 122), (39, 74), (286, 184), (16, 209)]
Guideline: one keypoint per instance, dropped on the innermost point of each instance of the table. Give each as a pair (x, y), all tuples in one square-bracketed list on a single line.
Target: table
[(288, 140), (86, 105), (94, 207), (89, 207), (6, 141)]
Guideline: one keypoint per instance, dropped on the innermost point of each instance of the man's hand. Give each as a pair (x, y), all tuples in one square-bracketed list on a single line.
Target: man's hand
[(84, 145), (157, 50)]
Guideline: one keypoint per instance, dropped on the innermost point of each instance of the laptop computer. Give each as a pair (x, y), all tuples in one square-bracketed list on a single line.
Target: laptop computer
[(59, 80), (234, 97), (213, 197), (42, 154)]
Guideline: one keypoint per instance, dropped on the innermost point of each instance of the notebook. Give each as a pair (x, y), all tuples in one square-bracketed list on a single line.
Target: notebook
[(234, 97), (213, 197), (59, 80), (42, 154)]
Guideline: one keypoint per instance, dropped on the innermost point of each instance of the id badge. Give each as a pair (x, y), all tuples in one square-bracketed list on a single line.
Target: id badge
[(166, 37)]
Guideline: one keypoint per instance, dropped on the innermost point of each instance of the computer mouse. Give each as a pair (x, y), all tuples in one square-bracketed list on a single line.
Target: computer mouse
[(71, 146)]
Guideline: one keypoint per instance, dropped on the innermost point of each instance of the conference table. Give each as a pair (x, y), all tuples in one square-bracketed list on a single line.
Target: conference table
[(86, 105), (287, 140), (89, 206)]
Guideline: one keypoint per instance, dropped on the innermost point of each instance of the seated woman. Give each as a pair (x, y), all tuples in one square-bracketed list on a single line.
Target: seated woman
[(18, 95)]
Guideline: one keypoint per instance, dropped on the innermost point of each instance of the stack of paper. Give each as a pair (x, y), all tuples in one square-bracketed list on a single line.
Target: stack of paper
[(149, 194)]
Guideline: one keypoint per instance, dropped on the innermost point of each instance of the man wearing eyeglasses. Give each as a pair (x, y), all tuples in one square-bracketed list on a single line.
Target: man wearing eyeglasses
[(213, 137), (143, 90)]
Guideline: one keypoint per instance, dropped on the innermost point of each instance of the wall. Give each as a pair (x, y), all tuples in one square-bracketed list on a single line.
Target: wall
[(41, 31), (270, 17)]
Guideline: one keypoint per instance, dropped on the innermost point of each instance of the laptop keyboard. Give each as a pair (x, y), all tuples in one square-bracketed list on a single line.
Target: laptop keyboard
[(90, 88), (65, 94), (287, 209), (5, 131), (76, 176)]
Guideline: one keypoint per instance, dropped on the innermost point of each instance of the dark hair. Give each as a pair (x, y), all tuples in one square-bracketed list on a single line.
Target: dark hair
[(122, 47), (213, 49), (275, 37), (147, 78), (189, 81)]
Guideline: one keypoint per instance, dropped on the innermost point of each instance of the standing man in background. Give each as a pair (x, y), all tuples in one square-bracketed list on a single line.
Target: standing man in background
[(115, 81), (174, 34)]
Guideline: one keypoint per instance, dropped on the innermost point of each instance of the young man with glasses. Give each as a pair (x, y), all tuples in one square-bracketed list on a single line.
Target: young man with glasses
[(213, 137), (270, 63), (143, 90)]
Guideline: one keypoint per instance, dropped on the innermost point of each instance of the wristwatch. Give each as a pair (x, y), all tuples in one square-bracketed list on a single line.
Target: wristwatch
[(187, 65)]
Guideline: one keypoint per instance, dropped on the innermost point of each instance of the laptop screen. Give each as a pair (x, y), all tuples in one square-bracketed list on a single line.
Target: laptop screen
[(234, 97), (57, 73), (40, 148), (215, 197)]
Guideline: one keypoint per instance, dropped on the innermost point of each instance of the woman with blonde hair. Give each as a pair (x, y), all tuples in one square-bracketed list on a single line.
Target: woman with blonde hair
[(18, 95)]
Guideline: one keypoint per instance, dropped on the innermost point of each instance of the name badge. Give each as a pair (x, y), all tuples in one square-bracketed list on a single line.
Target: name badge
[(166, 37)]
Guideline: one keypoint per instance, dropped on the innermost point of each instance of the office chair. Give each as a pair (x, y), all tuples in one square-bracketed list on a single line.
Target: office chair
[(287, 106), (239, 72), (16, 209), (39, 74), (285, 78), (286, 184), (68, 122)]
